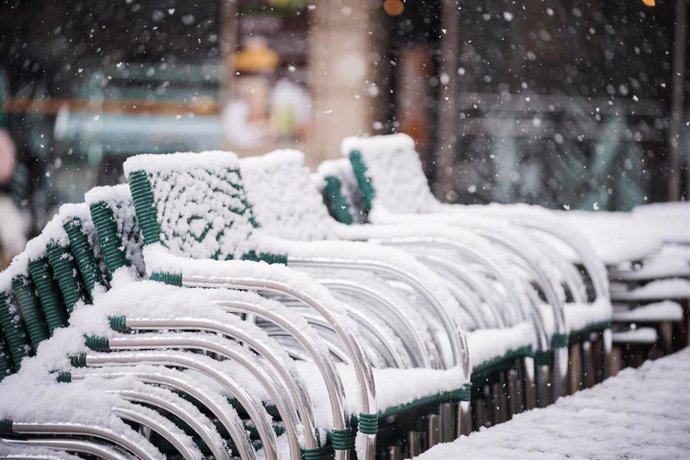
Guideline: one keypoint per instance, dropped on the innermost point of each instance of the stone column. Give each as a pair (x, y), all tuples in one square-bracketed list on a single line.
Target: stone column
[(340, 69)]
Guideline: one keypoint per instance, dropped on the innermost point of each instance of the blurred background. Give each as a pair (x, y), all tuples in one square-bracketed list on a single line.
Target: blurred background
[(575, 104)]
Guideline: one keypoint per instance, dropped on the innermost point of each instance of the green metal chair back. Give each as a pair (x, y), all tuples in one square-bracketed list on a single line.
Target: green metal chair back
[(12, 324), (194, 204), (117, 230), (389, 173)]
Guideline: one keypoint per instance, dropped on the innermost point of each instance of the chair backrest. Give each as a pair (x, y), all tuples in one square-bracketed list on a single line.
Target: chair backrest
[(42, 284), (81, 233), (6, 366), (12, 323), (284, 198), (340, 191), (389, 173), (194, 204), (119, 237)]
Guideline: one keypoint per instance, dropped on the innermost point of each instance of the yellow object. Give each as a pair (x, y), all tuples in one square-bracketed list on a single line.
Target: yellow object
[(649, 2), (393, 7), (256, 57)]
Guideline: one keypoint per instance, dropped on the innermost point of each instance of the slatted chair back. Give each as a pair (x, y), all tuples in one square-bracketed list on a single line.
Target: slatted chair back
[(389, 174), (117, 230), (284, 198), (195, 205)]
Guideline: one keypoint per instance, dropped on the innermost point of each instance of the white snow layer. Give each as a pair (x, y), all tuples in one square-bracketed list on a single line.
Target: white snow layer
[(394, 169), (283, 197), (641, 413), (665, 310), (674, 288), (645, 335)]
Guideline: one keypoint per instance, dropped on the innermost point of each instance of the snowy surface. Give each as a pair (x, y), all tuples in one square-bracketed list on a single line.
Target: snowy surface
[(284, 199), (394, 169), (619, 237), (641, 414), (486, 344), (646, 335), (674, 288), (393, 386), (180, 161), (666, 310)]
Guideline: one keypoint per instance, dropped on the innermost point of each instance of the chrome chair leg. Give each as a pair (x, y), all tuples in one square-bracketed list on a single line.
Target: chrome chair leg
[(575, 368), (589, 371), (529, 386), (414, 447), (514, 395), (433, 430), (607, 345), (464, 419), (447, 422), (543, 386), (559, 377)]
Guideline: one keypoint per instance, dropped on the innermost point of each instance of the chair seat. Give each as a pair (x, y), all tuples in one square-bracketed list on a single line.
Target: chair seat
[(580, 319), (488, 346), (666, 310), (643, 335), (674, 288)]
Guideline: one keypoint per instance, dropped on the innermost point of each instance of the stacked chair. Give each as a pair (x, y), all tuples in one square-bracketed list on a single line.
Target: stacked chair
[(214, 308), (381, 181), (647, 254)]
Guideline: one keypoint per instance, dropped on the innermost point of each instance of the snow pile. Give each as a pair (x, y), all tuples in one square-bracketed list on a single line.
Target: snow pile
[(641, 413), (283, 197), (394, 386), (395, 172)]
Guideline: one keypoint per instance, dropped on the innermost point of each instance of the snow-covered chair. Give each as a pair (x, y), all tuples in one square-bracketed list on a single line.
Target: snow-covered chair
[(287, 204), (647, 253), (195, 218), (172, 341), (394, 189)]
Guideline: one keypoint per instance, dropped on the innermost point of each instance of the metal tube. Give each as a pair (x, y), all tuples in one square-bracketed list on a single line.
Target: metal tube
[(199, 342), (183, 383), (207, 367), (76, 429), (454, 331), (70, 445), (332, 380), (365, 377), (447, 422), (175, 439), (407, 331), (205, 430)]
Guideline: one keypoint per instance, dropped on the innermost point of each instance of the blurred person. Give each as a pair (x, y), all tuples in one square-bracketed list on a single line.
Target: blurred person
[(12, 237)]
